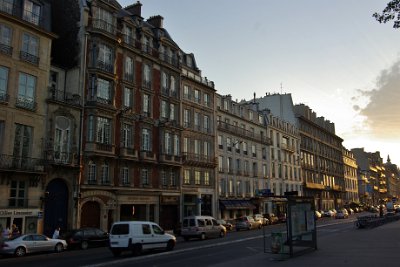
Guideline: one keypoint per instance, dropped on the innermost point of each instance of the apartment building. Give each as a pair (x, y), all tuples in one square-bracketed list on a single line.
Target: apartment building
[(243, 158), (392, 178), (127, 71), (321, 159), (25, 45), (284, 170), (198, 141), (350, 177)]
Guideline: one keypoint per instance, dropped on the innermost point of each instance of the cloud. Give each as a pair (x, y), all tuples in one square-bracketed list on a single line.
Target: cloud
[(382, 111)]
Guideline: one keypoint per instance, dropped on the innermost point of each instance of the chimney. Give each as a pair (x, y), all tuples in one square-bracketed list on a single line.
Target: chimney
[(156, 21), (135, 9)]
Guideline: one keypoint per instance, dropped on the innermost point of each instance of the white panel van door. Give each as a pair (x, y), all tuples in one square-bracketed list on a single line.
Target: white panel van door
[(160, 239), (147, 239)]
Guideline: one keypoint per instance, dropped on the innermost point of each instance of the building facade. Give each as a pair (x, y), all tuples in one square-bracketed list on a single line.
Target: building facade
[(25, 45), (243, 158), (350, 177)]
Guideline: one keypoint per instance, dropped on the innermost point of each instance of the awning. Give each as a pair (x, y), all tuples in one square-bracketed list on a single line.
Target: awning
[(237, 204)]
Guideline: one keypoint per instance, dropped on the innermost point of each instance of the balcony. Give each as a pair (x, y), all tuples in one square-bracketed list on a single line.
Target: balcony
[(104, 26), (105, 66), (236, 130), (96, 100), (25, 56), (64, 97), (147, 155), (13, 163), (128, 152), (97, 147), (310, 185), (198, 160), (169, 158), (6, 49), (4, 98), (25, 103), (61, 158), (288, 148), (129, 40)]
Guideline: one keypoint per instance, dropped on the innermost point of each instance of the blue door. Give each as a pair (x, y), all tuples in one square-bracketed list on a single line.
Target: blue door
[(56, 207)]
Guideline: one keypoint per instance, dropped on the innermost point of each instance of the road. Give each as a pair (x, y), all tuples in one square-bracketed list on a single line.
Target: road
[(209, 252)]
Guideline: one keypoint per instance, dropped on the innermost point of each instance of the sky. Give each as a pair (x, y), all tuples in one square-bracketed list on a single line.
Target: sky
[(330, 55)]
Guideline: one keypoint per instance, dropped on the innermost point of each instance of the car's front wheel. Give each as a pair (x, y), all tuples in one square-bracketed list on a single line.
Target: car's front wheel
[(170, 245), (84, 245)]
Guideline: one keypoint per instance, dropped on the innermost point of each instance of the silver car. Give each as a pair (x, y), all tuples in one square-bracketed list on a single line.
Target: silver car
[(31, 243)]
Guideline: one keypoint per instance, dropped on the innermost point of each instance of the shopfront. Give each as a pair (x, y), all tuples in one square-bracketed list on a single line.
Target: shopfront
[(27, 220)]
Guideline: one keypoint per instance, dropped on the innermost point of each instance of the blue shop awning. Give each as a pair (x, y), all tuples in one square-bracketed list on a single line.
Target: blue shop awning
[(237, 204)]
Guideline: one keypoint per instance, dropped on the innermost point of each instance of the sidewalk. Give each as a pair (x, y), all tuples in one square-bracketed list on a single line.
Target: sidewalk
[(376, 247)]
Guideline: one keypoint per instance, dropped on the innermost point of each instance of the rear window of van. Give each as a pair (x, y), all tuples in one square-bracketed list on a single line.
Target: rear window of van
[(120, 229), (188, 223)]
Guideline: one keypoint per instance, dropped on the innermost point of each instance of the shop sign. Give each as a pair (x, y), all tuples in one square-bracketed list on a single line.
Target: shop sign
[(4, 213)]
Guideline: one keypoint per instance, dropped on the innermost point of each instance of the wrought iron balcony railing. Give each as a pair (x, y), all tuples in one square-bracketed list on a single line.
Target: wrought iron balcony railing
[(9, 162)]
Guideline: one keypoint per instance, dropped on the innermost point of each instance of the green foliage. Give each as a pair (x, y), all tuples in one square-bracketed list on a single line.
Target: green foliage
[(391, 12)]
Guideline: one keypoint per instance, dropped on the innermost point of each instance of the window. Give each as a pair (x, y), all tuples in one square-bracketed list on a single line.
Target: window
[(164, 180), (196, 121), (22, 144), (129, 35), (103, 91), (146, 139), (127, 135), (250, 115), (128, 97), (172, 112), (186, 177), (163, 109), (222, 187), (128, 74), (197, 177), (92, 172), (103, 130), (220, 142), (185, 145), (176, 145), (125, 175), (3, 83), (206, 149), (146, 229), (173, 85), (105, 179), (105, 59), (173, 179), (164, 81), (62, 139), (26, 91), (2, 132), (17, 194), (186, 92), (146, 105), (206, 178), (206, 123), (220, 163), (5, 38), (206, 100), (7, 6), (167, 143), (104, 20), (31, 12), (186, 118), (253, 150), (146, 76), (145, 176), (229, 144), (197, 147), (239, 188), (196, 96)]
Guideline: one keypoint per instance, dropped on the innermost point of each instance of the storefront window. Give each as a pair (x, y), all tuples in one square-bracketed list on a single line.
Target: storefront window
[(17, 194)]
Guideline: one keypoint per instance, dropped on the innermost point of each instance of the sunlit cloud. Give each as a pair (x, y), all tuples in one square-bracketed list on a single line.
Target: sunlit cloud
[(382, 111)]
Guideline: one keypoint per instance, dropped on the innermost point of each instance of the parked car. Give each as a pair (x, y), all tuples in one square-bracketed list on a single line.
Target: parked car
[(247, 223), (86, 237), (228, 225), (31, 243), (329, 213), (342, 214), (137, 236), (201, 227), (261, 219), (272, 219)]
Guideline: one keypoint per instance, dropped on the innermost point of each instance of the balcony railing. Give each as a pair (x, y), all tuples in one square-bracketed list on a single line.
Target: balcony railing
[(104, 26), (62, 96), (93, 100), (146, 84), (4, 97), (129, 40), (25, 56), (6, 49), (198, 158), (105, 66), (25, 103), (242, 132), (9, 162), (168, 59)]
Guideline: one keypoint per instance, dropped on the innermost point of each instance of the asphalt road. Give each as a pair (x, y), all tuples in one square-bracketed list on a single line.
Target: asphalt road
[(209, 252)]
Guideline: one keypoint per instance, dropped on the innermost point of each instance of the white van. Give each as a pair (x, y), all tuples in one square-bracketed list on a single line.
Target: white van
[(201, 227), (137, 236)]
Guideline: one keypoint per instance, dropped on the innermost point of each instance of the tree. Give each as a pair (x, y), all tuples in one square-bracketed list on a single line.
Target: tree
[(391, 12)]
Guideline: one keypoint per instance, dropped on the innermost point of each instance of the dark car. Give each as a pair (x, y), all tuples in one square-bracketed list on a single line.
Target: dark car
[(86, 237)]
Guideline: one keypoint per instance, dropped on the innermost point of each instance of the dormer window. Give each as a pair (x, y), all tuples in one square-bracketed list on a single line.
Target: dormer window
[(31, 12)]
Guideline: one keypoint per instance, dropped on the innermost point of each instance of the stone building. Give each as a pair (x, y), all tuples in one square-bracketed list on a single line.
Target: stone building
[(350, 177), (25, 45)]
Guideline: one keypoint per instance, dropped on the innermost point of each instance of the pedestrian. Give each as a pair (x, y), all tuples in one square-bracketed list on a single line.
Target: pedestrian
[(15, 231), (56, 233)]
